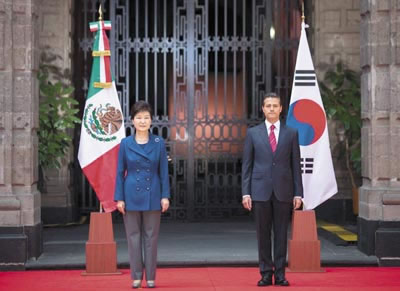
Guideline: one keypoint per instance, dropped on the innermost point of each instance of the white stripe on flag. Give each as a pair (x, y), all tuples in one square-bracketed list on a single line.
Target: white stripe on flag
[(90, 148), (93, 26), (102, 65)]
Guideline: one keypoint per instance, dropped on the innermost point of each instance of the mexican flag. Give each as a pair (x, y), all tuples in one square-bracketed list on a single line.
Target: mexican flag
[(307, 115), (102, 122)]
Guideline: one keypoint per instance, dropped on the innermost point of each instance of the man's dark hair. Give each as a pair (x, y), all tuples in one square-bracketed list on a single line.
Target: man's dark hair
[(140, 106), (272, 95)]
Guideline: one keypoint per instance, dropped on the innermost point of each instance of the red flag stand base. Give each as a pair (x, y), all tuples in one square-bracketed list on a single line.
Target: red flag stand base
[(304, 247), (101, 249)]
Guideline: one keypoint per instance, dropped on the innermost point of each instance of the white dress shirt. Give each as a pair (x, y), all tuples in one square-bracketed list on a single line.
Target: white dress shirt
[(276, 130)]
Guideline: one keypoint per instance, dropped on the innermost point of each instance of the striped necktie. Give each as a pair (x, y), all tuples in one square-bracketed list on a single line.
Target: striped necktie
[(272, 138)]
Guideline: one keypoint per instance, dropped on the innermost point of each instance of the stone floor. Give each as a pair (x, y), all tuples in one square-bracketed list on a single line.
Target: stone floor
[(187, 244)]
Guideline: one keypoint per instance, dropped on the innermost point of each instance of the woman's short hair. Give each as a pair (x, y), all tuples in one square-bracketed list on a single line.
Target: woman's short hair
[(140, 106)]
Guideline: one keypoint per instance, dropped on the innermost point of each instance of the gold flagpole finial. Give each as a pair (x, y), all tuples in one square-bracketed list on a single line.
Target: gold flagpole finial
[(100, 14), (302, 12)]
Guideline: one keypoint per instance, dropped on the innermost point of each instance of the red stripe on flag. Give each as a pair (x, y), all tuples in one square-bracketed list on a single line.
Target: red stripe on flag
[(105, 38), (101, 175), (107, 69)]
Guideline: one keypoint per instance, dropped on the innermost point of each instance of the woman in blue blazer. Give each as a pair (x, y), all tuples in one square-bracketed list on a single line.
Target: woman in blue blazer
[(142, 192)]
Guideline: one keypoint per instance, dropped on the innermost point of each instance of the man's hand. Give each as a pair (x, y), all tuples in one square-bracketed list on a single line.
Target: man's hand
[(297, 203), (121, 206), (247, 202), (164, 204)]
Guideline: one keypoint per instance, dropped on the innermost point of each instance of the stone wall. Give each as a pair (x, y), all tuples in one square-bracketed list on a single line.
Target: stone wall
[(336, 33), (20, 218), (379, 219)]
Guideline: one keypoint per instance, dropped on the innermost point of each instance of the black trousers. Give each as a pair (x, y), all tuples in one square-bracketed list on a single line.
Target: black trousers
[(272, 214)]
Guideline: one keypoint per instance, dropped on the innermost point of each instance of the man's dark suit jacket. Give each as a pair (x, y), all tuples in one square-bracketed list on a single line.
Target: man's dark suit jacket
[(265, 172)]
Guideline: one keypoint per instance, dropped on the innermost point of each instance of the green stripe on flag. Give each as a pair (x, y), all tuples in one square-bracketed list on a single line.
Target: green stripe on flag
[(93, 23), (96, 41), (95, 77)]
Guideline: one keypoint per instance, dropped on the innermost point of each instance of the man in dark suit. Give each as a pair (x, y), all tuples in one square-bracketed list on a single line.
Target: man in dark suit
[(272, 186)]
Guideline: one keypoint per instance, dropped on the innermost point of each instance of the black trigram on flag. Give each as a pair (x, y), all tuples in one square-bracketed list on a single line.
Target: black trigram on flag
[(304, 78), (307, 165)]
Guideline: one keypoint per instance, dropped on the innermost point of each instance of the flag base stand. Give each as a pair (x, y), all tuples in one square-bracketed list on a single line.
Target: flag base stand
[(304, 247), (101, 249)]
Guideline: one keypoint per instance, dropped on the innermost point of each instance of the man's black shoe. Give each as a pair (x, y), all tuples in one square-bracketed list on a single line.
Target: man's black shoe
[(265, 281), (281, 282)]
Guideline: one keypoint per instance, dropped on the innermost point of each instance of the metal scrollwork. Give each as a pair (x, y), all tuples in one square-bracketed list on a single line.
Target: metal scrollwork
[(204, 65)]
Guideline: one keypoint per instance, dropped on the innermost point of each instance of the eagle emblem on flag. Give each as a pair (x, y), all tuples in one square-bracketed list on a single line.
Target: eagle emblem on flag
[(102, 122)]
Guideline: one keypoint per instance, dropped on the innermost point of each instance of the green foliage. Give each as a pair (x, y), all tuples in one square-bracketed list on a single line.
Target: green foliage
[(342, 101), (57, 113)]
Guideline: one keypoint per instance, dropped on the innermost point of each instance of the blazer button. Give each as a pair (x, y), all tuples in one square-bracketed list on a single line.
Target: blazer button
[(148, 170), (137, 179), (137, 170), (147, 179), (137, 189), (148, 188)]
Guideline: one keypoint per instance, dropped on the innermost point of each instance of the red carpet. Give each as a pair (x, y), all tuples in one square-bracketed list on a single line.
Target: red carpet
[(233, 278)]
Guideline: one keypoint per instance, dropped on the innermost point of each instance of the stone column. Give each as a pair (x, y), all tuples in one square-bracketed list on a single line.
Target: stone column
[(379, 217), (20, 223), (58, 203)]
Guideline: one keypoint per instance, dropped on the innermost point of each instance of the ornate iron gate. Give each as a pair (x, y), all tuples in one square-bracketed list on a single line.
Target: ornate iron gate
[(204, 65)]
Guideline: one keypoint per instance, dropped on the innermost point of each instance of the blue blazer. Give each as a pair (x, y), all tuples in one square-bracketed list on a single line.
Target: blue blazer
[(142, 174), (264, 172)]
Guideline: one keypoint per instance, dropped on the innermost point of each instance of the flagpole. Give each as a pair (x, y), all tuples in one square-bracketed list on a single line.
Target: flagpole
[(304, 247), (100, 19), (100, 165), (100, 13), (303, 18)]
